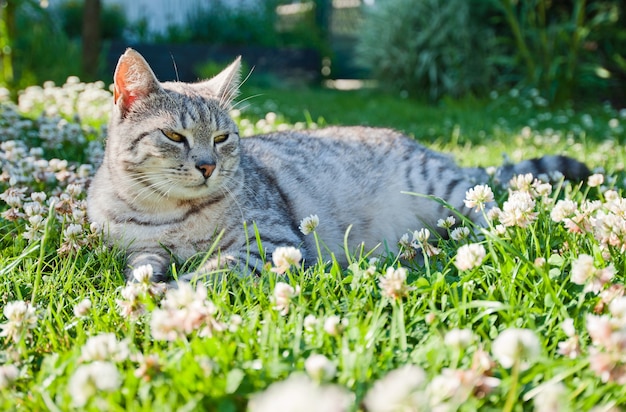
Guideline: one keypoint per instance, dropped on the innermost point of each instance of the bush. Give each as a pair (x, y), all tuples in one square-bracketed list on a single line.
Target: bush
[(112, 19), (427, 48), (566, 50), (221, 23), (39, 50)]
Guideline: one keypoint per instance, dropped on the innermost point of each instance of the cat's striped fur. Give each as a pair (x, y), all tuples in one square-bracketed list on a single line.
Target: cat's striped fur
[(176, 174)]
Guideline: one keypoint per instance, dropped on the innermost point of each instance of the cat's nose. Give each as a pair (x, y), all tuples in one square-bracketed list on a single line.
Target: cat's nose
[(205, 168)]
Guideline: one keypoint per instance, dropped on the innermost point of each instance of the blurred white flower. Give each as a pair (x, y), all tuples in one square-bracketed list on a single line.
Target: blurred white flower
[(516, 345), (320, 368), (522, 183), (518, 210), (334, 325), (105, 347), (551, 398), (393, 283), (8, 375), (459, 233), (309, 323), (478, 197), (563, 209), (82, 308), (285, 257), (446, 223), (91, 378), (309, 224), (401, 389), (143, 273), (21, 318), (470, 256), (459, 338), (585, 273), (298, 393), (595, 180), (283, 294), (183, 311)]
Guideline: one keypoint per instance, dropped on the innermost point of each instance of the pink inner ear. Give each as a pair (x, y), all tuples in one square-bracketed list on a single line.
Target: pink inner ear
[(122, 93)]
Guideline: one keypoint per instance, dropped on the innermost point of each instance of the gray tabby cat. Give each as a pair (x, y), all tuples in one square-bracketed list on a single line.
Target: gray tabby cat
[(176, 178)]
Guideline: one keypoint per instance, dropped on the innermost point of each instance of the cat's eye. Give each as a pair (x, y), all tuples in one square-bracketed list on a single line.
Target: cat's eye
[(220, 139), (173, 136)]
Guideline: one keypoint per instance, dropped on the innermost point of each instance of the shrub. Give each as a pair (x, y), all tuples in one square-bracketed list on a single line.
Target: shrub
[(565, 49), (113, 20), (40, 50), (427, 48)]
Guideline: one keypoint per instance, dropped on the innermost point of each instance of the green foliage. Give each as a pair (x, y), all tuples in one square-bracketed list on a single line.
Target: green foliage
[(565, 49), (428, 48), (253, 24), (113, 20), (34, 47)]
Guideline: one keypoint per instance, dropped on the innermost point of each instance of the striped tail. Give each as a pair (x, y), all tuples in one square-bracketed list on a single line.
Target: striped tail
[(551, 167)]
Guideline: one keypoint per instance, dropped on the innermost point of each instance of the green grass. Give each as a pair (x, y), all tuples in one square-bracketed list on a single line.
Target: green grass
[(524, 281)]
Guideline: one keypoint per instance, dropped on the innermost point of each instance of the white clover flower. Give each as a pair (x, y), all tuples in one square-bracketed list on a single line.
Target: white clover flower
[(298, 393), (309, 224), (421, 241), (283, 294), (446, 223), (285, 257), (399, 390), (320, 368), (393, 283), (91, 378), (518, 210), (551, 398), (105, 347), (234, 322), (130, 306), (459, 338), (522, 183), (334, 325), (143, 273), (164, 327), (568, 327), (516, 345), (406, 247), (595, 180), (470, 256), (478, 197), (38, 197), (421, 236), (541, 189), (82, 308), (459, 233), (450, 389), (585, 273), (617, 308), (309, 323), (8, 375), (564, 209), (183, 311), (21, 318)]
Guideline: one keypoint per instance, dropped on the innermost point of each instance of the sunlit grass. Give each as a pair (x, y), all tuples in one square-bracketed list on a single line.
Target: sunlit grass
[(523, 323)]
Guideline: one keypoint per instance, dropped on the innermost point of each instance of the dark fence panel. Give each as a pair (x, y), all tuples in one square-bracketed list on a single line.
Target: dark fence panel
[(180, 61)]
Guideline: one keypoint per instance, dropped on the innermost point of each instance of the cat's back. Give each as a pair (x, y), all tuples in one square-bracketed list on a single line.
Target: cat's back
[(336, 144)]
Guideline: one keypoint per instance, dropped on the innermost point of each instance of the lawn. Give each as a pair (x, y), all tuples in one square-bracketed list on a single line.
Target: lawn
[(527, 313)]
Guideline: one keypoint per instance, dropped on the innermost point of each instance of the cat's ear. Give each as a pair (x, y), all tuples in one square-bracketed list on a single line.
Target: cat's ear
[(133, 79), (225, 86)]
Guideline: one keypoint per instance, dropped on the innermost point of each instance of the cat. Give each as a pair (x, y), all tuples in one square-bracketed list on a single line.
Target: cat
[(177, 179)]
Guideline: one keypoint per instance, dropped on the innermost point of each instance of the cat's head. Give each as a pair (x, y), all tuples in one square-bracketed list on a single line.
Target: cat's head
[(172, 140)]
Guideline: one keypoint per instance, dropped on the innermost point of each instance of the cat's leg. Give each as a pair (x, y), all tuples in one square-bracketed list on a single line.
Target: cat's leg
[(213, 269), (159, 260)]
